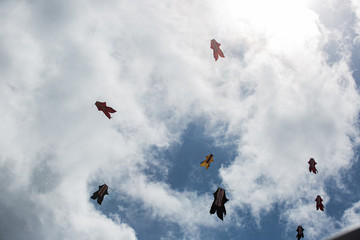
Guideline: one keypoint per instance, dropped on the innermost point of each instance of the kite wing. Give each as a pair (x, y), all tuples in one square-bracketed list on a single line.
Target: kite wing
[(215, 46), (207, 161)]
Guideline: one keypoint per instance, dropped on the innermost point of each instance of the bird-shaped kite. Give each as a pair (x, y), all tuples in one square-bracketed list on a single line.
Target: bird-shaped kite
[(208, 160), (218, 204), (99, 194), (319, 204), (215, 46), (300, 232), (101, 106), (312, 167)]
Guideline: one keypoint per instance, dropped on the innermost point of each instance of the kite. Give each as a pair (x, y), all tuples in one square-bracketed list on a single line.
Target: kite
[(300, 232), (312, 167), (319, 204), (216, 47), (208, 160), (101, 106), (99, 194), (218, 204)]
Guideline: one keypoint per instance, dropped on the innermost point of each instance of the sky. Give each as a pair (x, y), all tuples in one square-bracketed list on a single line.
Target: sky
[(286, 91)]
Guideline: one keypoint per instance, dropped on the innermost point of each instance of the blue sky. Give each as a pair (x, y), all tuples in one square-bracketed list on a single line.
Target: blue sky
[(287, 90)]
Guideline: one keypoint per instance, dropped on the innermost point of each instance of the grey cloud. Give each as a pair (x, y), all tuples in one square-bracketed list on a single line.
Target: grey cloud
[(44, 177)]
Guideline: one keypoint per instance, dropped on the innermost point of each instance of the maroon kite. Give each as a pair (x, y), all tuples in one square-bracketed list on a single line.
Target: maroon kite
[(101, 106), (312, 167), (319, 204), (300, 232), (217, 51)]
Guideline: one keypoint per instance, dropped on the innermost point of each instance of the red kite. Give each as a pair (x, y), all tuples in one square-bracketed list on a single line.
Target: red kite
[(99, 194), (312, 167), (214, 45), (300, 232), (101, 106), (218, 205), (319, 204), (208, 160)]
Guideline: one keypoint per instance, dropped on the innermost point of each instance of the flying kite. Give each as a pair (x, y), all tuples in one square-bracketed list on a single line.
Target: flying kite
[(99, 194), (216, 47), (218, 204), (312, 167), (208, 160), (101, 106), (319, 204), (300, 232)]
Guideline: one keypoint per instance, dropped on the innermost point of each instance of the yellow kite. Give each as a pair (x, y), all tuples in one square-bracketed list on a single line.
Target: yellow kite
[(206, 163)]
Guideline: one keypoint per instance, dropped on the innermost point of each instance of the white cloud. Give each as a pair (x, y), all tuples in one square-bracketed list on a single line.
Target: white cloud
[(351, 217), (356, 11), (273, 92)]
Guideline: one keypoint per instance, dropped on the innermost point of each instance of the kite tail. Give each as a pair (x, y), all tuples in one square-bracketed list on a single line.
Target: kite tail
[(220, 214), (221, 53), (107, 114), (95, 195), (212, 209), (216, 56), (110, 110), (100, 199)]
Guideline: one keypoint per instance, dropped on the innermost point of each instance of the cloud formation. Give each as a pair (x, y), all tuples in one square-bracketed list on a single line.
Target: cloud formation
[(275, 95)]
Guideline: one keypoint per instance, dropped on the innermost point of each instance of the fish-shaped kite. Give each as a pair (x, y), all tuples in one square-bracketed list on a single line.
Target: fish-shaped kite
[(218, 205), (215, 46), (312, 167), (101, 106), (208, 160), (99, 194), (319, 204), (300, 232)]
